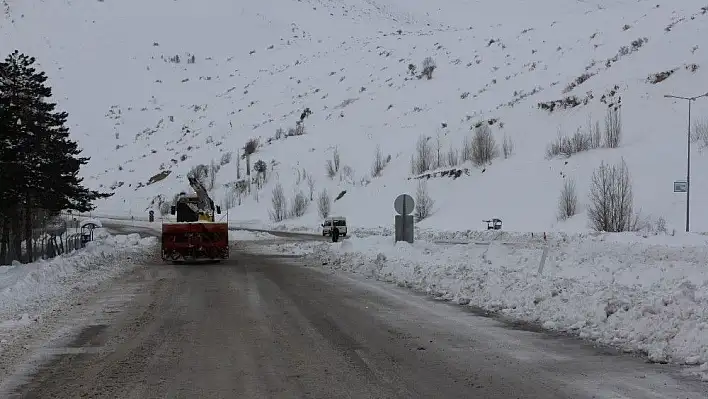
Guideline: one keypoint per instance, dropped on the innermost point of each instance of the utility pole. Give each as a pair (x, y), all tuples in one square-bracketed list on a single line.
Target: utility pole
[(688, 154)]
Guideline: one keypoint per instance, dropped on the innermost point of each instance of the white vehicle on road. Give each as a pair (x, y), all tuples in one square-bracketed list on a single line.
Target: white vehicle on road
[(340, 222)]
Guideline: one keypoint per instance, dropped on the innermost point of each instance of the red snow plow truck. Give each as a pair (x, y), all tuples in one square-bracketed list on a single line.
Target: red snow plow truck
[(196, 235)]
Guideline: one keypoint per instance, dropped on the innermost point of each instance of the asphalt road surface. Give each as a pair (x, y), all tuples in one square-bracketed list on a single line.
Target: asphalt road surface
[(268, 326)]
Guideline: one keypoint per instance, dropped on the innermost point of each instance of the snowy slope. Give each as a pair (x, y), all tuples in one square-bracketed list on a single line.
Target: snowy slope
[(257, 66)]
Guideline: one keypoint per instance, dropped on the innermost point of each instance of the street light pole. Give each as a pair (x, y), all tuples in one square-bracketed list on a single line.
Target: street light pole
[(688, 155)]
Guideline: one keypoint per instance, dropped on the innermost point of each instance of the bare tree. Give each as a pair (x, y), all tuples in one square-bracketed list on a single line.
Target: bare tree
[(568, 200), (213, 171), (261, 172), (507, 147), (324, 204), (423, 202), (205, 174), (164, 208), (238, 165), (279, 211), (229, 200), (347, 174), (467, 149), (595, 136), (699, 132), (299, 204), (484, 147), (311, 186), (329, 168), (335, 158), (379, 163), (613, 127), (279, 133), (422, 160), (453, 157), (299, 129), (251, 146), (611, 199), (439, 160)]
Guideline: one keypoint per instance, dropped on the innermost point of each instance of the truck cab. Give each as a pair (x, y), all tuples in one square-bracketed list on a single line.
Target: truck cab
[(340, 222)]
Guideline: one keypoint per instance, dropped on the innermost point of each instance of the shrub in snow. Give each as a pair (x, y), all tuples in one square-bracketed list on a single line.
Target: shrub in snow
[(659, 77), (279, 133), (611, 207), (299, 204), (569, 145), (484, 147), (568, 200), (379, 162), (324, 203), (564, 103), (422, 160), (298, 130), (307, 112), (428, 68), (411, 69), (577, 82), (423, 202), (225, 158), (278, 212)]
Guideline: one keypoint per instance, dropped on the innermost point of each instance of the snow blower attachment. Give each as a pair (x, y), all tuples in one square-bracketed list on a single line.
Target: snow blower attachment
[(196, 235)]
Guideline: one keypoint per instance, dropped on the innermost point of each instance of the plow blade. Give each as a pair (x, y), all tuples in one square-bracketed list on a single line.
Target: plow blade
[(195, 241)]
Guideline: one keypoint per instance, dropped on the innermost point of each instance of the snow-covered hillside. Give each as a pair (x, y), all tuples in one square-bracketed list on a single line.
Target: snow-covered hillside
[(246, 69)]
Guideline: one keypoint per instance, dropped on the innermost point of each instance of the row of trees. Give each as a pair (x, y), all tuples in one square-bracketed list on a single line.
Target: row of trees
[(39, 164)]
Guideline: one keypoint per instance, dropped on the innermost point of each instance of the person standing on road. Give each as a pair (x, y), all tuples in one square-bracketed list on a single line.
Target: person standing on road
[(335, 234)]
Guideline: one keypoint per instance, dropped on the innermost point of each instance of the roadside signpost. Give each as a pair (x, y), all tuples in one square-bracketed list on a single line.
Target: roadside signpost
[(404, 224), (680, 186)]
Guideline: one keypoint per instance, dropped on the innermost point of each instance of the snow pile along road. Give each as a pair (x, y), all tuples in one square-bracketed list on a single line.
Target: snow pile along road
[(27, 291), (641, 294)]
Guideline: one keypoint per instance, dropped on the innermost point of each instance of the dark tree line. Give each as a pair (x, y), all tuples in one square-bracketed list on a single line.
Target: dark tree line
[(39, 164)]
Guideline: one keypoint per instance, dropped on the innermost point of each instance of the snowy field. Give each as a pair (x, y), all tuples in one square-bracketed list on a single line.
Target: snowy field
[(29, 291), (646, 295)]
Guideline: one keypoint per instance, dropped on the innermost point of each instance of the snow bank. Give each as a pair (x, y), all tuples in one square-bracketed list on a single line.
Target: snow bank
[(242, 235), (641, 294), (30, 289)]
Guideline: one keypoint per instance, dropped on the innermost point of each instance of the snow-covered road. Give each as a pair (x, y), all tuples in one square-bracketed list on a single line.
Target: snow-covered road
[(273, 326)]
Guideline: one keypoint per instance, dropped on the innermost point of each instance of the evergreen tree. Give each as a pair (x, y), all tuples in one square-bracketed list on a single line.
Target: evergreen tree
[(39, 163)]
